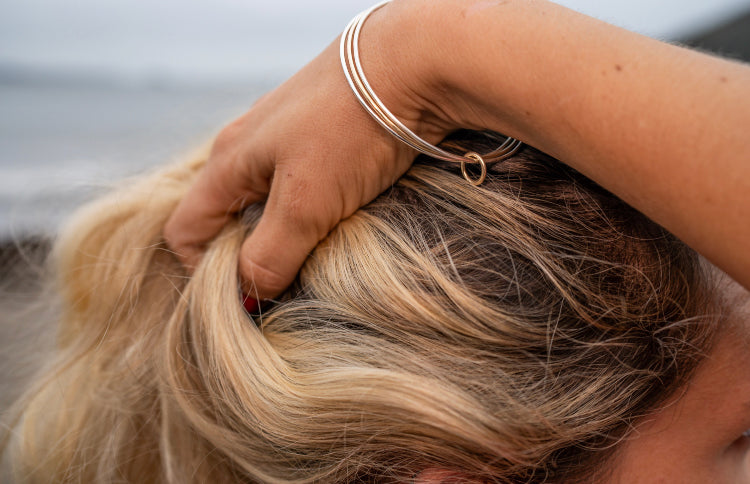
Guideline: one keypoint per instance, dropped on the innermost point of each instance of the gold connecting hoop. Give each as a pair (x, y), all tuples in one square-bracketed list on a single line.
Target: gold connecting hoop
[(355, 76), (476, 157)]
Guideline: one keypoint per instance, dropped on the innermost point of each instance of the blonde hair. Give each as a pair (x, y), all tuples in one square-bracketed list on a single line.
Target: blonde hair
[(513, 332)]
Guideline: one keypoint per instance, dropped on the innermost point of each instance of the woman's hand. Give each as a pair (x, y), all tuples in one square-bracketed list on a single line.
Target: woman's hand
[(602, 99), (312, 153)]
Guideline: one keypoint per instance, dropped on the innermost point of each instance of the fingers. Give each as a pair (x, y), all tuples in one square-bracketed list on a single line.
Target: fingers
[(294, 220), (220, 190), (271, 257), (326, 158)]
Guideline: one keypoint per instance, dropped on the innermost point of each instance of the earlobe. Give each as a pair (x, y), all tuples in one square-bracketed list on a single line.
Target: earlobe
[(442, 476)]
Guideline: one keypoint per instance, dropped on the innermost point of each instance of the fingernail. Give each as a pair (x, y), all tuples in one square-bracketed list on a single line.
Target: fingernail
[(251, 305)]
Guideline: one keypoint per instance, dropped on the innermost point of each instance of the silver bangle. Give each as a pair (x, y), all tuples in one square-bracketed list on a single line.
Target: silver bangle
[(350, 61)]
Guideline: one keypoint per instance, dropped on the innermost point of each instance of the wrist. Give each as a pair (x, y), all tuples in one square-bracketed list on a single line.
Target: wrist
[(421, 59), (401, 63), (437, 54), (476, 76)]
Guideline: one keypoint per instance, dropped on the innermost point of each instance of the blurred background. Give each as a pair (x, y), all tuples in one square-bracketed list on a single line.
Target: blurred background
[(94, 90)]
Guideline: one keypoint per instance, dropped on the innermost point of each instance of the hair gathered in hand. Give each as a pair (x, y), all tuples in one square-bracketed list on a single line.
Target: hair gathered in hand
[(513, 332)]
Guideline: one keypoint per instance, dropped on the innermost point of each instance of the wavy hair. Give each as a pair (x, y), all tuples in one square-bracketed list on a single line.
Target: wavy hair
[(514, 332)]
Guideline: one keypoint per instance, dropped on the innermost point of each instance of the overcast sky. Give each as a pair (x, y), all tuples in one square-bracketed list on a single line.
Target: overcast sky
[(235, 39)]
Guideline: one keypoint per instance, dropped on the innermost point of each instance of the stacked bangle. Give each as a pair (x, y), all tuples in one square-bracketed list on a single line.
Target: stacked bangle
[(350, 61)]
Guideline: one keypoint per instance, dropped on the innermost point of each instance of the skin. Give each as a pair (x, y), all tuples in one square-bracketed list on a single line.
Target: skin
[(701, 434), (698, 437), (307, 150), (661, 126)]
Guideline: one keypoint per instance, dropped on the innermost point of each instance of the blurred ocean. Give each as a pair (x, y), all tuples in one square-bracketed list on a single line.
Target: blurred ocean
[(61, 142), (93, 91)]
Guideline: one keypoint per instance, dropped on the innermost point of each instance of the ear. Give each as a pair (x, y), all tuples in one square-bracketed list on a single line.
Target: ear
[(442, 476)]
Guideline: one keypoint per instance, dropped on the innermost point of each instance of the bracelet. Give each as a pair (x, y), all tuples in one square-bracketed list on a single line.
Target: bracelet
[(350, 61)]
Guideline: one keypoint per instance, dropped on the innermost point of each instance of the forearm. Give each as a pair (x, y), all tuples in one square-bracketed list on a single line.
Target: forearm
[(663, 127)]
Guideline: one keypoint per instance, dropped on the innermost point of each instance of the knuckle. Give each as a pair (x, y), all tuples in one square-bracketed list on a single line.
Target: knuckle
[(305, 222), (172, 235), (307, 211), (228, 136)]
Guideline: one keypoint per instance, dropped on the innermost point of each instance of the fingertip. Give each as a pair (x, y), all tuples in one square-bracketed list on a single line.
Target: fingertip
[(217, 193), (268, 267), (261, 282), (188, 255)]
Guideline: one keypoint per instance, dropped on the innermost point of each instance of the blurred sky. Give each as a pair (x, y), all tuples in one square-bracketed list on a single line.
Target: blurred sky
[(94, 90), (219, 40)]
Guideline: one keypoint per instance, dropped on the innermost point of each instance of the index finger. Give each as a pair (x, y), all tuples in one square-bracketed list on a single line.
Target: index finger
[(219, 191)]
